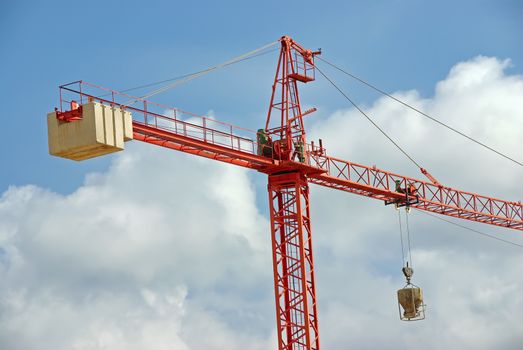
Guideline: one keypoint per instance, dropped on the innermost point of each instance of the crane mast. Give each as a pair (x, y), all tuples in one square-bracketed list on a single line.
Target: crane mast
[(281, 151), (291, 234)]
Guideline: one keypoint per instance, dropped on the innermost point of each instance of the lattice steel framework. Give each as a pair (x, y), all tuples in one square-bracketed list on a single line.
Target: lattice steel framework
[(295, 64), (294, 286)]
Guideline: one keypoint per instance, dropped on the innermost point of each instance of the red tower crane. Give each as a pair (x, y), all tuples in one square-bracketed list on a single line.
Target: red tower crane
[(281, 151)]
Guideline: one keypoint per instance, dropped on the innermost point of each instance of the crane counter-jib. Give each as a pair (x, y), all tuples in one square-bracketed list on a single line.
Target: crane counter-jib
[(157, 117)]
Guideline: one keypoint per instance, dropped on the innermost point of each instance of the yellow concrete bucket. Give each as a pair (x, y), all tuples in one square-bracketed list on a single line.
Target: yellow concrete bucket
[(410, 300)]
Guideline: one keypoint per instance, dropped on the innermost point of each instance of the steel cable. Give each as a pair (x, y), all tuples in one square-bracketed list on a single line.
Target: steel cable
[(471, 229), (408, 233), (202, 72), (401, 238), (190, 74), (420, 112), (368, 118)]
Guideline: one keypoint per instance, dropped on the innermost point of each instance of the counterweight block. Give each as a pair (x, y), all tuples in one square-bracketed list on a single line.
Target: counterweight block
[(101, 130)]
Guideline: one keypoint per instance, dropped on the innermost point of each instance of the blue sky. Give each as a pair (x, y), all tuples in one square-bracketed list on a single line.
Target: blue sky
[(150, 248), (398, 45)]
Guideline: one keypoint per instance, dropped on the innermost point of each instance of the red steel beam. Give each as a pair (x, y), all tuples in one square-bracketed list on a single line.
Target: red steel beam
[(293, 265), (351, 177), (187, 144), (376, 183)]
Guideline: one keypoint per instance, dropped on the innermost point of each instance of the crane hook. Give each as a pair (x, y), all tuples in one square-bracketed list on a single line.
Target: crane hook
[(408, 272)]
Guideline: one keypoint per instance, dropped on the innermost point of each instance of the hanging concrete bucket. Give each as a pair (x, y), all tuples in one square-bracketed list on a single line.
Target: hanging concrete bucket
[(410, 299)]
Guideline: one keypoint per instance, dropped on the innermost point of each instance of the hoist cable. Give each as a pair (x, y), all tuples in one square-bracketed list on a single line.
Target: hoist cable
[(408, 234), (420, 112), (203, 72), (471, 229), (401, 238), (368, 118)]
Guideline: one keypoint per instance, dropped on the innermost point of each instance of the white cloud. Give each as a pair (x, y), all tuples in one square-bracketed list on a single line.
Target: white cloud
[(168, 251), (130, 258), (477, 98), (470, 282)]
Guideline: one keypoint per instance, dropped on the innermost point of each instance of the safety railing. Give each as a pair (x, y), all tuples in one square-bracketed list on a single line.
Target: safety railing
[(302, 67), (182, 123), (174, 120)]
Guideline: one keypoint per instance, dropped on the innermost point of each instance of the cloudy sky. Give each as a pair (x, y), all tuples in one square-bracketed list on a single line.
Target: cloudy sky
[(154, 249)]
